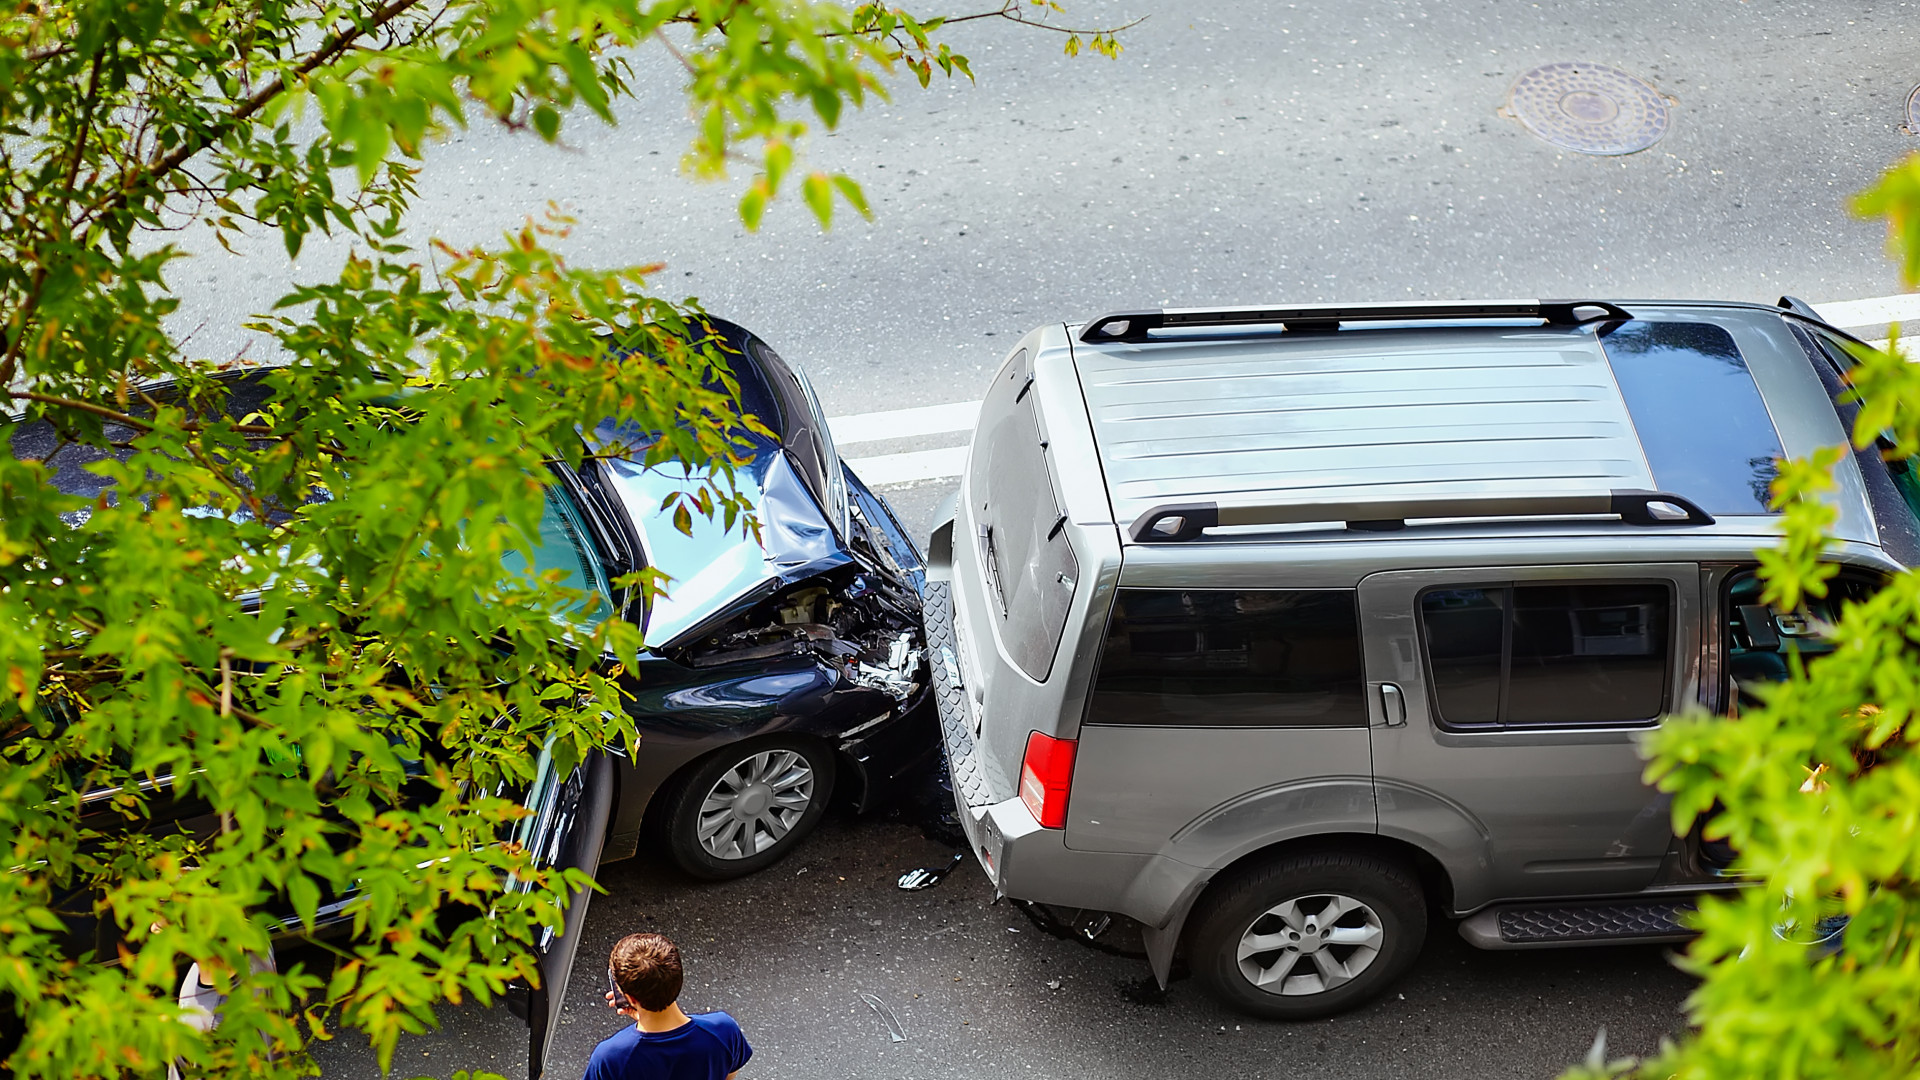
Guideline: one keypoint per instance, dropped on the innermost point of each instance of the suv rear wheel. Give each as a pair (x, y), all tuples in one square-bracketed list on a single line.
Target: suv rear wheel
[(748, 805), (1305, 936)]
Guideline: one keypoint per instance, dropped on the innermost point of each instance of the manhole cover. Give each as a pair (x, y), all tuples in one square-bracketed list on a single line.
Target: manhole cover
[(1589, 108), (1913, 112)]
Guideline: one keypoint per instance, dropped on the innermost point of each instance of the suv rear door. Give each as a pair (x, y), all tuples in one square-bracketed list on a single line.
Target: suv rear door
[(1223, 719), (1506, 706)]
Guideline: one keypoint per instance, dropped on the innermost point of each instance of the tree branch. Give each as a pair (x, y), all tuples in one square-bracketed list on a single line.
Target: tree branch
[(330, 49), (115, 415), (129, 181), (674, 52), (17, 332), (1012, 12)]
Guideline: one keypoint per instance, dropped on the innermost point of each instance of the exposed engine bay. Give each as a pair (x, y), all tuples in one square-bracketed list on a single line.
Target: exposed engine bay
[(854, 619)]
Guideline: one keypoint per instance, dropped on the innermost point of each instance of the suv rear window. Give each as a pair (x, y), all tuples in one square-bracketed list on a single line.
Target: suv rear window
[(1548, 654), (1231, 658)]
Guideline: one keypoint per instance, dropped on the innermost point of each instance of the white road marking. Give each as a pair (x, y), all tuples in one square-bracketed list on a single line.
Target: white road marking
[(915, 465), (1878, 311), (903, 423), (948, 461)]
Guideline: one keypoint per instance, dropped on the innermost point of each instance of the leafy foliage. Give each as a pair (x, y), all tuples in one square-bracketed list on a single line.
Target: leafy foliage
[(302, 610), (1818, 789)]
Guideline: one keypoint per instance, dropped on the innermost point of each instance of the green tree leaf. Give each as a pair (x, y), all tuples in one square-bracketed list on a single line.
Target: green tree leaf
[(546, 121), (314, 612), (819, 195), (849, 190), (1814, 786)]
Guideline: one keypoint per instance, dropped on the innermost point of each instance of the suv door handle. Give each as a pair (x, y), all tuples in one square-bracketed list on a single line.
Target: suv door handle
[(1393, 705)]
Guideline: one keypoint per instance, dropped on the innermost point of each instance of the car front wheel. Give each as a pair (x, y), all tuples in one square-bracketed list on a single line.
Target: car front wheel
[(747, 806), (1307, 936)]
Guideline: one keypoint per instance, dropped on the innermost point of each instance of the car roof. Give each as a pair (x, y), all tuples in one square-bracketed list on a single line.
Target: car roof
[(1437, 405), (67, 461)]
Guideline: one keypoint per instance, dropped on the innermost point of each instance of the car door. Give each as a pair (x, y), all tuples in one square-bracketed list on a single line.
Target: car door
[(567, 829), (1220, 721), (1507, 705)]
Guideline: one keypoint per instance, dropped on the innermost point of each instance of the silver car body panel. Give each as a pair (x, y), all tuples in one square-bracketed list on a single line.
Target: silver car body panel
[(1485, 414), (1276, 781), (1454, 412), (1154, 813)]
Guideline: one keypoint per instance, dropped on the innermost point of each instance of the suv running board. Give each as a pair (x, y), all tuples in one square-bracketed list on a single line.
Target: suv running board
[(1572, 925)]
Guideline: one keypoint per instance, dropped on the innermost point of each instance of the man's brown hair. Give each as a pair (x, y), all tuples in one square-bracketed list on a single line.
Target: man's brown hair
[(647, 967)]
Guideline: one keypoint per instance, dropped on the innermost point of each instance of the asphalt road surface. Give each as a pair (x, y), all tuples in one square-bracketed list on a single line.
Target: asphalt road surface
[(1238, 152), (981, 993)]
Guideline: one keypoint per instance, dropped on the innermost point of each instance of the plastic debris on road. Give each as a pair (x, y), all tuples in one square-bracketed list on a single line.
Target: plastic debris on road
[(926, 877), (894, 1031)]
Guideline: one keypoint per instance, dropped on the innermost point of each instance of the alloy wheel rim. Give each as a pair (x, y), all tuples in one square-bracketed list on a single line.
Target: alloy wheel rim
[(1309, 944), (755, 804)]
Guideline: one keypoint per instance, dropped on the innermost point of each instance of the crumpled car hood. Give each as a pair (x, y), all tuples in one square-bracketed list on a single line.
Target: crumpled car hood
[(815, 516), (714, 570)]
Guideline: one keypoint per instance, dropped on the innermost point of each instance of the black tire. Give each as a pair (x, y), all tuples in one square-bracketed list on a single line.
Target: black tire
[(1392, 916), (684, 820)]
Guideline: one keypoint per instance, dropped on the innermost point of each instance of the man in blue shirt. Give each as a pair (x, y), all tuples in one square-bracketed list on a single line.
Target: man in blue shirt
[(664, 1043)]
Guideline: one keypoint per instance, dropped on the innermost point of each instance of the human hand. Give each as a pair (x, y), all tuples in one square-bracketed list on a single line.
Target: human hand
[(624, 1010)]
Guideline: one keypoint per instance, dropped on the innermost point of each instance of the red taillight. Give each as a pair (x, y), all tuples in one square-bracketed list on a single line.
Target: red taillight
[(1045, 775)]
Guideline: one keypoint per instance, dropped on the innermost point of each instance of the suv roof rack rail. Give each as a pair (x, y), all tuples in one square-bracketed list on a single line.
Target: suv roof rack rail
[(1174, 522), (1135, 327), (1800, 307)]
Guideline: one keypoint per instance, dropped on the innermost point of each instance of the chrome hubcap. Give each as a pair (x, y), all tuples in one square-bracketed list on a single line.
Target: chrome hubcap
[(1310, 944), (754, 804)]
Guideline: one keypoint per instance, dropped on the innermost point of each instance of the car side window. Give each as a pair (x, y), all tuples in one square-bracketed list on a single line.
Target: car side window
[(1231, 658), (565, 545), (1762, 642), (1549, 654)]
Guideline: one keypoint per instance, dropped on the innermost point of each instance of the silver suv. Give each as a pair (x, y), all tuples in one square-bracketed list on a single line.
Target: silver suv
[(1278, 630)]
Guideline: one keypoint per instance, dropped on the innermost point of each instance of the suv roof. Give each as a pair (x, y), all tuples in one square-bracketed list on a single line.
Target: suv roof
[(1517, 408)]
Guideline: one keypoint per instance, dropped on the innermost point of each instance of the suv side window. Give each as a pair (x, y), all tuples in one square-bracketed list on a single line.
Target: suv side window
[(1231, 658), (1763, 642), (1548, 654)]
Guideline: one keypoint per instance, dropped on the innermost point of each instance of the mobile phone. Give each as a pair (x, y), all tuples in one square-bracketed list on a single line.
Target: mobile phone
[(619, 999)]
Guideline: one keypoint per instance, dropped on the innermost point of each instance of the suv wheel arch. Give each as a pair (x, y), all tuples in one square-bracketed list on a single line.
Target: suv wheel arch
[(1164, 943), (1309, 933)]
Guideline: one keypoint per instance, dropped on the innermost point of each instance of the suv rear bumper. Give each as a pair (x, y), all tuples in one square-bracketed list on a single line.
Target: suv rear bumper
[(1023, 860)]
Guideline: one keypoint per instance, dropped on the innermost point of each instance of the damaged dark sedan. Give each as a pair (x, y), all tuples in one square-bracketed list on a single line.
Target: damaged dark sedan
[(780, 673), (783, 671)]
